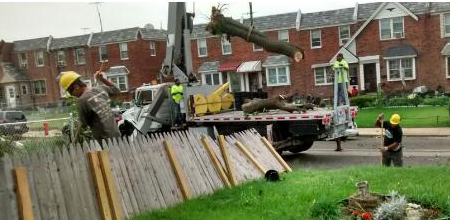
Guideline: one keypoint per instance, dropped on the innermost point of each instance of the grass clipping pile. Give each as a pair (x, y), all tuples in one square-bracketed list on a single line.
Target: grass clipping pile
[(367, 205)]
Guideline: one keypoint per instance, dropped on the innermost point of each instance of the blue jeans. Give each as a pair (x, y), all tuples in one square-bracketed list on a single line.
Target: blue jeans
[(340, 95)]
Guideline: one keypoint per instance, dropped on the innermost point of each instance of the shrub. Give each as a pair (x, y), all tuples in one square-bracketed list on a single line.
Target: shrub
[(6, 147), (405, 101), (394, 209), (438, 101), (325, 210), (398, 101), (363, 101)]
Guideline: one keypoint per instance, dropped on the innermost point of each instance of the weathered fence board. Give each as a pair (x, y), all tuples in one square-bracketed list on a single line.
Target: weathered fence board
[(56, 184), (127, 180), (68, 185), (150, 172), (216, 182), (35, 203), (23, 193), (87, 182), (8, 206), (132, 176)]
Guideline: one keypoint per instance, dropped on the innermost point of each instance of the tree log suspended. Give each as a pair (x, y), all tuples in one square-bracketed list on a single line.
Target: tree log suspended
[(220, 24), (278, 102)]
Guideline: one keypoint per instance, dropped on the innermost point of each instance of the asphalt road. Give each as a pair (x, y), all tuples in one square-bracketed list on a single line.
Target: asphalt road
[(363, 151)]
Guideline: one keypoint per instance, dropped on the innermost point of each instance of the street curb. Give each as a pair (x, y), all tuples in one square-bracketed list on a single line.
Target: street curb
[(409, 135)]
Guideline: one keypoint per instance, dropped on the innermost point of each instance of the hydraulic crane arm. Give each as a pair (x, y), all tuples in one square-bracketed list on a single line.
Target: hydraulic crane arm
[(178, 61)]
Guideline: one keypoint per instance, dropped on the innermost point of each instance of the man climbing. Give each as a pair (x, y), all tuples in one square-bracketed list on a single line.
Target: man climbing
[(392, 147), (340, 67), (177, 95), (93, 104)]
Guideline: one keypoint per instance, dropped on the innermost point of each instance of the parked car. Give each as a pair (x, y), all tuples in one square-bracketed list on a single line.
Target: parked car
[(11, 122)]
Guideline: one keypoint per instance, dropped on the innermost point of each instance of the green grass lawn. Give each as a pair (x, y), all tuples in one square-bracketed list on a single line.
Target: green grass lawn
[(302, 193), (53, 125), (412, 117)]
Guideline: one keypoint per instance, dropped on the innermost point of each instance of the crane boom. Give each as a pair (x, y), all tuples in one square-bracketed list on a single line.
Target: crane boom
[(178, 60)]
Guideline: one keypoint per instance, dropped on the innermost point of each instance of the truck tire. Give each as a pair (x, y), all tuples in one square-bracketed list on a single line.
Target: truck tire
[(305, 144)]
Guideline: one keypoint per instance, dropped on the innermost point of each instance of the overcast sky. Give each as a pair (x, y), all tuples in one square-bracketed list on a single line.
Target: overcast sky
[(19, 20)]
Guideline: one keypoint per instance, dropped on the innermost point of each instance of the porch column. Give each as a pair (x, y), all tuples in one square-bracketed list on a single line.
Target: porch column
[(361, 76), (378, 71)]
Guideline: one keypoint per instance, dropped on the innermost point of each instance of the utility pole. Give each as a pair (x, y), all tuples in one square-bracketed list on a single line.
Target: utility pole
[(98, 12)]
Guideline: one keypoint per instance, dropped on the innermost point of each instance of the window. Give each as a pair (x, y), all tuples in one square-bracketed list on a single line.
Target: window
[(120, 81), (202, 48), (446, 25), (226, 46), (152, 49), (123, 51), (212, 78), (39, 58), (391, 28), (277, 76), (24, 89), (316, 42), (398, 67), (80, 56), (323, 76), (61, 57), (283, 35), (39, 87), (23, 60), (344, 34), (11, 93), (257, 48), (103, 52)]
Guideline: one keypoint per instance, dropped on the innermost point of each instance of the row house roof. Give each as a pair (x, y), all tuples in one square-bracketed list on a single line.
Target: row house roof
[(327, 18), (264, 23), (68, 42), (11, 73), (31, 44), (86, 40)]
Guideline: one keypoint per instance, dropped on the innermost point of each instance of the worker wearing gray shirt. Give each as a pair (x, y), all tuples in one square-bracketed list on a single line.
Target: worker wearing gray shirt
[(93, 104)]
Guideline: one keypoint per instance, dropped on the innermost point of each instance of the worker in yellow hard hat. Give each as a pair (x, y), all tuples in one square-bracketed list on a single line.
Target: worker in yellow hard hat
[(93, 104), (392, 145), (341, 69), (177, 96)]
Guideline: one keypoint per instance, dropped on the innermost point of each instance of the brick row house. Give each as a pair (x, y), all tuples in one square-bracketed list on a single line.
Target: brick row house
[(383, 42), (30, 68)]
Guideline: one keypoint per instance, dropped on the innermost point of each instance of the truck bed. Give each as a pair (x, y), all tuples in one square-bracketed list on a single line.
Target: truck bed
[(273, 115)]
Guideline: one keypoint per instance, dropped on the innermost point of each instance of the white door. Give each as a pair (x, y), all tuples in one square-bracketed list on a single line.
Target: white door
[(11, 96)]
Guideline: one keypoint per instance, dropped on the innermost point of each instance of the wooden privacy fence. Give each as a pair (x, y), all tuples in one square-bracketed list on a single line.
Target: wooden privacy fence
[(127, 177)]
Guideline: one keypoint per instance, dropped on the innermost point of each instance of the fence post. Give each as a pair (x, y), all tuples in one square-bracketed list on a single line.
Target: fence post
[(23, 193), (71, 126)]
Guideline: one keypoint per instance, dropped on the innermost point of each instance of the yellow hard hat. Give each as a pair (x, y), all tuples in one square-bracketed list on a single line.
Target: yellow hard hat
[(395, 119), (67, 78)]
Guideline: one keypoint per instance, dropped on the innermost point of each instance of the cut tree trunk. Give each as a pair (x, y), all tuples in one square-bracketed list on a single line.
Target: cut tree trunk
[(257, 105), (220, 24)]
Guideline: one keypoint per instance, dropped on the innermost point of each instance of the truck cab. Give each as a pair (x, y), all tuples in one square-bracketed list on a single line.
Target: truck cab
[(144, 97)]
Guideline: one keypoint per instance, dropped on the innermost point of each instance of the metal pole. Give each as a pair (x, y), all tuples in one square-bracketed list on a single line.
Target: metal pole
[(98, 12), (251, 14), (336, 77), (71, 126)]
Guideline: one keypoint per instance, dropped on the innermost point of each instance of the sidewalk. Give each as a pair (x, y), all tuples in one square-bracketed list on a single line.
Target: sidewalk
[(445, 131)]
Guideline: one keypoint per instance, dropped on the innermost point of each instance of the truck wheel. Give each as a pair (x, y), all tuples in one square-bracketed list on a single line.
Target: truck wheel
[(305, 144)]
